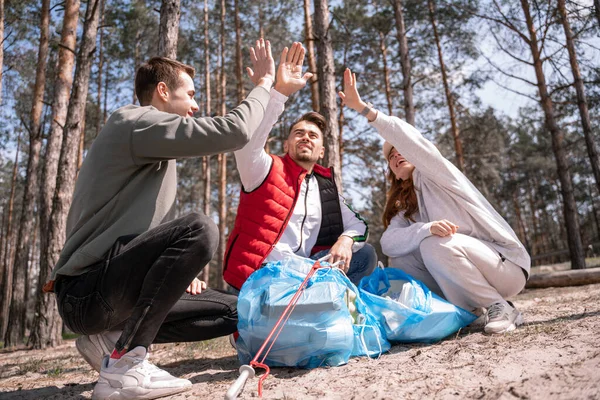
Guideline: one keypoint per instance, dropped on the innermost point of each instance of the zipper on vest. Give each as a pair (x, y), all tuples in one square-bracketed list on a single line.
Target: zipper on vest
[(289, 215), (307, 179)]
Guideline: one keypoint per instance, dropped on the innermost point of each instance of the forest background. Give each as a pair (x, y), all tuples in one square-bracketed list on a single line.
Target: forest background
[(508, 90)]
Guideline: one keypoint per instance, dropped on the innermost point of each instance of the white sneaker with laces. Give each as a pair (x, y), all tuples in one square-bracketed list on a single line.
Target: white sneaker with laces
[(133, 377), (93, 348), (502, 317)]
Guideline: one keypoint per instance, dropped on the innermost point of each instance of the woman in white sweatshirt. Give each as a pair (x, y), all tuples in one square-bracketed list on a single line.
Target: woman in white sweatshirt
[(439, 227)]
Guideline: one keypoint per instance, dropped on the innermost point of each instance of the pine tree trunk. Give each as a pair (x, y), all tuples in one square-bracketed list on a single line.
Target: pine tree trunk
[(80, 148), (47, 323), (409, 107), (312, 61), (32, 273), (261, 20), (62, 88), (2, 266), (386, 73), (327, 92), (239, 68), (460, 162), (99, 121), (8, 260), (18, 309), (597, 11), (168, 30), (1, 45), (581, 98), (562, 164), (206, 160), (222, 158)]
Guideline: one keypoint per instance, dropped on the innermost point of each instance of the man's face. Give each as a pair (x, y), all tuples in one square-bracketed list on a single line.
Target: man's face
[(305, 143), (181, 100)]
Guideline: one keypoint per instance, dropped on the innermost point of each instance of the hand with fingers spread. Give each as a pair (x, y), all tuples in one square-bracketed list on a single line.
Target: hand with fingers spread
[(289, 72), (443, 228), (350, 96), (263, 65), (196, 287)]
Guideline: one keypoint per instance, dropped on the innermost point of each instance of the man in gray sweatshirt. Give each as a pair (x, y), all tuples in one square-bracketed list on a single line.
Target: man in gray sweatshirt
[(122, 275)]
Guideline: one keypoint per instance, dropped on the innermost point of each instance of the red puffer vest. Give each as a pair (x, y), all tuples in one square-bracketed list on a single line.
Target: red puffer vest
[(263, 215)]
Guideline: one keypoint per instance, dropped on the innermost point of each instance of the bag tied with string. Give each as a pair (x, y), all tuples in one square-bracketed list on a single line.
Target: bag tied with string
[(329, 324)]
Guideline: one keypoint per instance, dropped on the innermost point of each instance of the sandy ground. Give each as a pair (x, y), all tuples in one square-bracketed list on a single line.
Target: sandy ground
[(555, 355)]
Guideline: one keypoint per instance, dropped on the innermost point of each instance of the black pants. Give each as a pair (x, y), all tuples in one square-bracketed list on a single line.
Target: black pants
[(140, 288)]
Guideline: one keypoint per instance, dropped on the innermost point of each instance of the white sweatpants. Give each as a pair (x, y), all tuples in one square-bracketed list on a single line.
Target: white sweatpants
[(467, 272)]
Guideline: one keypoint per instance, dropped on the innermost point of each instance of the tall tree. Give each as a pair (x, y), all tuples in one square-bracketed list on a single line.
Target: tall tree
[(460, 162), (45, 309), (409, 107), (558, 147), (206, 160), (168, 31), (327, 89), (239, 68), (17, 318), (8, 247), (222, 158), (47, 325), (581, 98), (309, 39), (1, 45), (597, 11), (386, 72), (99, 120)]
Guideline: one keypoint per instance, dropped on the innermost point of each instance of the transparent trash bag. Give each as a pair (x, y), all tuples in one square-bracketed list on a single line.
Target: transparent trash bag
[(407, 310), (329, 324)]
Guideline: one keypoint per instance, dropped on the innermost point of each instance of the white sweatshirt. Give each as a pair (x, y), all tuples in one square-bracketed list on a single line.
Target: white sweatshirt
[(443, 192), (302, 230)]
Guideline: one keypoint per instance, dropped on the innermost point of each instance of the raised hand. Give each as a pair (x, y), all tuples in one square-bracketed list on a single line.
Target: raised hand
[(263, 65), (350, 96), (289, 72)]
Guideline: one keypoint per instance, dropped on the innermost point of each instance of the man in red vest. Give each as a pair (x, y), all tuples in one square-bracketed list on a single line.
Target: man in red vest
[(289, 204)]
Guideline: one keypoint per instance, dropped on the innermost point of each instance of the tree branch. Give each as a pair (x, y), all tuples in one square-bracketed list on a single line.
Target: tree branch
[(508, 52), (516, 91), (506, 73)]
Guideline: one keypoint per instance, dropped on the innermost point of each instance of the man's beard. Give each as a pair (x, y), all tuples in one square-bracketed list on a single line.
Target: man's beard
[(305, 157)]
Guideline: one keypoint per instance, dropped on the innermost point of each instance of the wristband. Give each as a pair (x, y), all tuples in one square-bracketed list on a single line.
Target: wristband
[(366, 110)]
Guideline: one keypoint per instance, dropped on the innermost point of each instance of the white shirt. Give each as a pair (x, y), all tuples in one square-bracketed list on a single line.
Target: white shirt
[(302, 230)]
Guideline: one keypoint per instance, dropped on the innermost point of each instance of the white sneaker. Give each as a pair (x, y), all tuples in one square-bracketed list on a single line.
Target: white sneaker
[(93, 348), (502, 317), (133, 377)]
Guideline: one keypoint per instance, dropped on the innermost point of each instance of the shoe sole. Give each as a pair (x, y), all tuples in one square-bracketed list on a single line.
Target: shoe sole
[(82, 349), (106, 392), (510, 328)]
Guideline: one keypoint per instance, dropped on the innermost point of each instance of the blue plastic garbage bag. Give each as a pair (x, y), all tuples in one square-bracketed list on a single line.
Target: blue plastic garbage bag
[(321, 331), (407, 310)]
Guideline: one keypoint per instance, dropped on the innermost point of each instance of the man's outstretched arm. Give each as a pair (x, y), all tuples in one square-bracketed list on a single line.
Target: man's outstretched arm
[(159, 135), (253, 162)]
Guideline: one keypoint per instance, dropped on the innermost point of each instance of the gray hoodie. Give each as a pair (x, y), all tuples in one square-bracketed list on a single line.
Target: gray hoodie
[(128, 181)]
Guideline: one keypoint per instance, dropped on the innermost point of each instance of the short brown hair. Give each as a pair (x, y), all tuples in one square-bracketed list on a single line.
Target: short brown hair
[(312, 117), (156, 70)]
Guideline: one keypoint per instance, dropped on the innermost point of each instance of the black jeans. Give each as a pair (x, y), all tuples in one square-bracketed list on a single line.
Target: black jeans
[(140, 288)]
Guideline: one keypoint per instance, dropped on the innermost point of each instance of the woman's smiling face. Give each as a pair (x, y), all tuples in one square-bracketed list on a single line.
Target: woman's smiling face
[(401, 168)]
